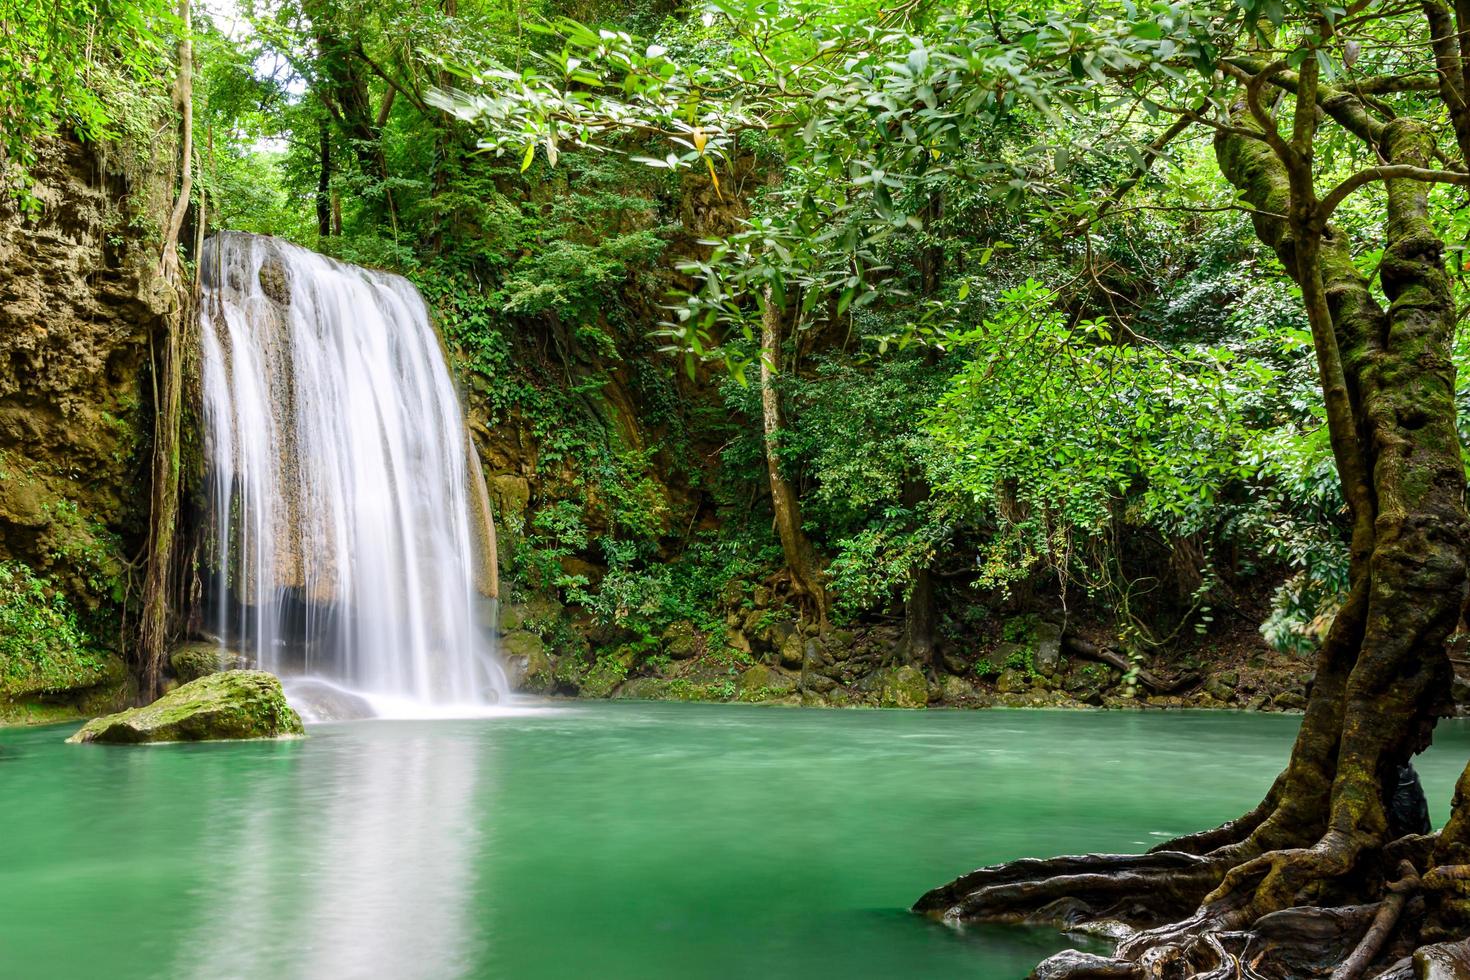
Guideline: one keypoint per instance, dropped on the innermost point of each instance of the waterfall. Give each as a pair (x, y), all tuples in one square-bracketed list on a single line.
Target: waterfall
[(347, 544)]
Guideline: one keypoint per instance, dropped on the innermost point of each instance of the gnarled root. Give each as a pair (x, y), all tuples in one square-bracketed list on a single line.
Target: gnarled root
[(1220, 915)]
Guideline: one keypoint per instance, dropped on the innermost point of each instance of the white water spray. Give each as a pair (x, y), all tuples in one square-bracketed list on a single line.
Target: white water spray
[(346, 539)]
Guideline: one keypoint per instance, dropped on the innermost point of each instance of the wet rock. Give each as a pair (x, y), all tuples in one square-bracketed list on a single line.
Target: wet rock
[(1442, 961), (1074, 963), (487, 612), (275, 281), (316, 700), (681, 640), (1048, 647), (236, 704), (761, 597), (528, 666)]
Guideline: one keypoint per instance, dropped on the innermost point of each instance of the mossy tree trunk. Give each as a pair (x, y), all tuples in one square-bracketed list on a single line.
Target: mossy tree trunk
[(168, 367), (801, 562)]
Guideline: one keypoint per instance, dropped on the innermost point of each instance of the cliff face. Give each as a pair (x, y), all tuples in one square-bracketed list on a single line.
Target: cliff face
[(79, 301)]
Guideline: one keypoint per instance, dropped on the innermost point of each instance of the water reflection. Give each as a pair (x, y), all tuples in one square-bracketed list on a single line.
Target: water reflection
[(362, 865)]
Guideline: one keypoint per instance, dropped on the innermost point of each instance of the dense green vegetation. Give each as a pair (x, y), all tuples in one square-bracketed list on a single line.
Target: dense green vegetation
[(971, 329)]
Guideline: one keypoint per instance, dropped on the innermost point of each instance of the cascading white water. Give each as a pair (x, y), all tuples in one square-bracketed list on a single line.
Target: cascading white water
[(346, 542)]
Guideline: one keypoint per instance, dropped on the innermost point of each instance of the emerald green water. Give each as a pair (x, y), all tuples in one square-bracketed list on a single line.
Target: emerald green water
[(593, 840)]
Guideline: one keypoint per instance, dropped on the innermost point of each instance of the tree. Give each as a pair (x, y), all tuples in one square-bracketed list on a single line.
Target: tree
[(1315, 110)]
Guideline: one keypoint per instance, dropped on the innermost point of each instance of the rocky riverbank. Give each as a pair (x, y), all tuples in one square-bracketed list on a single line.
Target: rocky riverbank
[(764, 655)]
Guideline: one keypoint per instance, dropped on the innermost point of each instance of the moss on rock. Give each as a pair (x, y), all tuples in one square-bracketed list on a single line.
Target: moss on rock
[(903, 687), (195, 660), (527, 662), (235, 704)]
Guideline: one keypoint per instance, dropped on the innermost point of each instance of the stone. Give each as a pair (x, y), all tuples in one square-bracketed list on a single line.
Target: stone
[(737, 640), (513, 616), (487, 612), (820, 683), (955, 690), (1218, 689), (763, 683), (235, 704), (645, 689), (1048, 655), (1012, 681), (1460, 690), (605, 675), (316, 700), (511, 495), (793, 651), (275, 281), (528, 666), (761, 597), (956, 664), (192, 661), (779, 632), (682, 641), (902, 687), (1290, 700)]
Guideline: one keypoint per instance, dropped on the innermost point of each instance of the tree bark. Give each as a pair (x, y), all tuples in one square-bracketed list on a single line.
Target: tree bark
[(153, 626), (919, 615), (324, 183), (806, 578)]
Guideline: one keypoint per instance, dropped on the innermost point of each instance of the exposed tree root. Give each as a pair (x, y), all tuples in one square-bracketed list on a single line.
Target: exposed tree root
[(1178, 915)]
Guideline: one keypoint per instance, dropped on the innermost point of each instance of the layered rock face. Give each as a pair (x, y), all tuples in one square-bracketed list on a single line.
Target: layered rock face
[(79, 300)]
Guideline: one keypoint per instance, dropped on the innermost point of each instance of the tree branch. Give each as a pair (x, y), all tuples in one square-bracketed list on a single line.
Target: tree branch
[(1362, 178)]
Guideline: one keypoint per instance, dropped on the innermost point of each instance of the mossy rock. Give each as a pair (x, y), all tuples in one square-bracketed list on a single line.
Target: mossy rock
[(606, 674), (195, 660), (527, 662), (682, 641), (763, 683), (957, 690), (235, 704), (902, 687)]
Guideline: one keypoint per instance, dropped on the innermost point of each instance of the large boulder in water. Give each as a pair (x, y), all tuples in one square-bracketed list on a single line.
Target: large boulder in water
[(232, 705)]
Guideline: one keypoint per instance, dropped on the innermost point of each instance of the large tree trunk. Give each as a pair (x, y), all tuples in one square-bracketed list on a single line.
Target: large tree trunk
[(806, 578), (163, 517), (1212, 903), (918, 608)]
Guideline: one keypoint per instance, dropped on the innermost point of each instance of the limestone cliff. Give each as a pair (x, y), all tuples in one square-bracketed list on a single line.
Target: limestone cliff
[(79, 301)]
